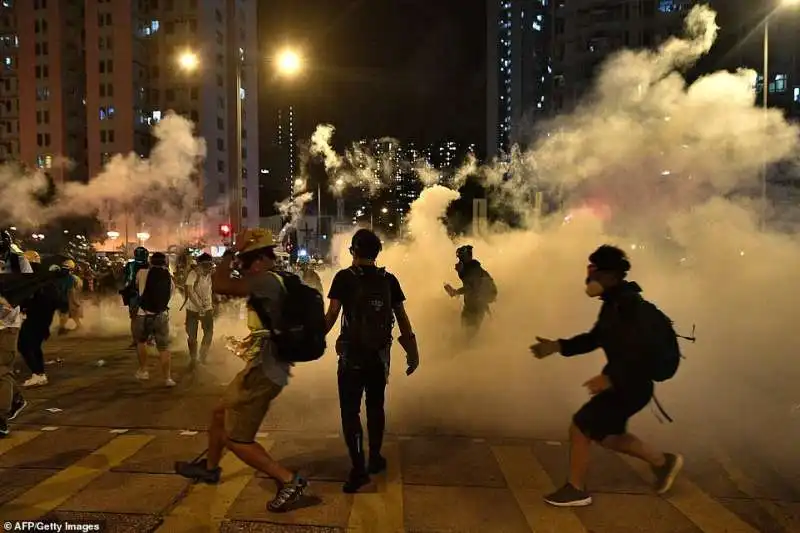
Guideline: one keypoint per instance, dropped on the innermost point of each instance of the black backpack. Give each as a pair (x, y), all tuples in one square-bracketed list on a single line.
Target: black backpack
[(661, 340), (302, 336), (371, 318), (488, 288), (157, 290)]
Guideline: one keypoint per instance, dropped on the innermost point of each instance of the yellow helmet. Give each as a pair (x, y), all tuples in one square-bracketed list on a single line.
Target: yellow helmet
[(33, 256), (69, 264), (256, 239)]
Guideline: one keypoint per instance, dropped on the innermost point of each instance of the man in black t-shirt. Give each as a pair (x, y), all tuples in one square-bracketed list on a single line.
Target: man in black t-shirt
[(371, 299)]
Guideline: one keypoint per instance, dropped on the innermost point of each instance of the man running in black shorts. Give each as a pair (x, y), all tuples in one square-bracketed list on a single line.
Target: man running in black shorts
[(624, 387)]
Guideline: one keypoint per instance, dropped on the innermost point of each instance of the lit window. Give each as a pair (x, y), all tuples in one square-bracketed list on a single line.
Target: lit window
[(156, 115), (780, 83), (797, 95), (242, 93), (48, 161)]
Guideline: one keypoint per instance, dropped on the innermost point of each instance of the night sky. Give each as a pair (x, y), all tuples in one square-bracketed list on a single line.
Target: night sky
[(410, 69)]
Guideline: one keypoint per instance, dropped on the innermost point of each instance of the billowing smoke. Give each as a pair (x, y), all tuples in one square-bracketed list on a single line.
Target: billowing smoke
[(160, 188), (653, 163)]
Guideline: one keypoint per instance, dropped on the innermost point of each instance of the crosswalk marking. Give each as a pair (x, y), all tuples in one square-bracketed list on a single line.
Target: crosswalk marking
[(528, 482), (381, 512), (16, 438), (703, 510), (57, 489), (745, 484), (205, 506)]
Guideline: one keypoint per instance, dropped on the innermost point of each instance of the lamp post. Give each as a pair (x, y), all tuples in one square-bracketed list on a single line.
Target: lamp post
[(765, 95), (189, 62)]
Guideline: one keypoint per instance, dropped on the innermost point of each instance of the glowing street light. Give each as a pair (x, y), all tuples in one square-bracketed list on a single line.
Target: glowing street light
[(143, 236), (340, 182), (189, 61), (384, 210), (289, 63), (113, 235)]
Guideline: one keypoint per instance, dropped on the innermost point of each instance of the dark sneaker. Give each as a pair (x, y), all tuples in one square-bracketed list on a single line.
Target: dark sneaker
[(288, 495), (357, 479), (666, 474), (198, 471), (17, 406), (377, 464), (569, 496), (3, 428)]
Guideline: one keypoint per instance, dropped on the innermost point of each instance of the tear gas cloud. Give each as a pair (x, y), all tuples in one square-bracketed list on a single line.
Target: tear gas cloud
[(696, 250), (160, 188)]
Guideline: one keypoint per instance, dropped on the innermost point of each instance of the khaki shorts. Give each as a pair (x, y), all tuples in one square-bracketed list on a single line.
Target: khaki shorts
[(157, 326), (246, 401)]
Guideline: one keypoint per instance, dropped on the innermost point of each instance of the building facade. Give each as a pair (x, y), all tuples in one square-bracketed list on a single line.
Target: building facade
[(519, 69), (86, 79)]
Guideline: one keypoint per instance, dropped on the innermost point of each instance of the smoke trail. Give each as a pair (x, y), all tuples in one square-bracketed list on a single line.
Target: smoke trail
[(159, 188)]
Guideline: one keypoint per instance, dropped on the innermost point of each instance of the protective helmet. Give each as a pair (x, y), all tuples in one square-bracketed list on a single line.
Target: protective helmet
[(69, 264), (33, 256), (141, 255)]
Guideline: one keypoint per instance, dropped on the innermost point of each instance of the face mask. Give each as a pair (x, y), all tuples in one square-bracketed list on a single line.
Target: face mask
[(594, 289)]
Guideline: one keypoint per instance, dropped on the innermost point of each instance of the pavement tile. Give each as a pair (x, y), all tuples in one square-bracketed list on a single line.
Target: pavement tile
[(56, 449), (462, 510), (332, 511), (710, 476), (764, 516), (634, 513), (119, 492), (607, 472), (111, 523), (449, 461), (159, 456), (236, 526), (15, 481), (319, 458)]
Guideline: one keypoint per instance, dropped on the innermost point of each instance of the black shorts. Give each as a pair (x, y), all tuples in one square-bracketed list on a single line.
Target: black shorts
[(608, 412)]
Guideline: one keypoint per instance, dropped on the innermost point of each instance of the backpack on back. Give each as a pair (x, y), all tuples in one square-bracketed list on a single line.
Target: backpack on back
[(371, 318), (488, 288), (157, 290), (662, 342), (302, 335)]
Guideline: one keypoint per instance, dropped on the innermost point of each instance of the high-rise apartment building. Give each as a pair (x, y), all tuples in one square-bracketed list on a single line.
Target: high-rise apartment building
[(543, 55), (519, 59), (86, 79)]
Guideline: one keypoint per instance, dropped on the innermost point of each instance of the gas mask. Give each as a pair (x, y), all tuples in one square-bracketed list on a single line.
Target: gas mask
[(594, 289)]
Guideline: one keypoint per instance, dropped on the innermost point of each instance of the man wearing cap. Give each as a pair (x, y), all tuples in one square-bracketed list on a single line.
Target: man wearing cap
[(624, 387), (236, 421), (200, 307)]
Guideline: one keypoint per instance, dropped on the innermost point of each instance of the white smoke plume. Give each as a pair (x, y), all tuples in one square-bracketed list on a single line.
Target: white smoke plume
[(159, 188), (653, 161)]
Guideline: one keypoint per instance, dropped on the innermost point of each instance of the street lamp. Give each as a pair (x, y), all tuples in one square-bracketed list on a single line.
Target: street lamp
[(289, 63), (113, 235), (384, 210), (189, 61), (143, 237), (765, 91)]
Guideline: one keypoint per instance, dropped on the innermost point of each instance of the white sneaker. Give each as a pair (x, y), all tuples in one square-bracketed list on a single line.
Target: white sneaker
[(142, 375), (36, 380), (169, 382)]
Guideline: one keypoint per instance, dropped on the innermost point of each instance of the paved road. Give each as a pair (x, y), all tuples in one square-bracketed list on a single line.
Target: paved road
[(95, 444)]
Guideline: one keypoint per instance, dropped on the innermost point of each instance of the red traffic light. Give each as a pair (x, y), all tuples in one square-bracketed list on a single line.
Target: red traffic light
[(225, 230)]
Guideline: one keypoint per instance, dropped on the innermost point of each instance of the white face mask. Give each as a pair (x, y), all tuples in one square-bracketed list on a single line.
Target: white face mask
[(594, 289)]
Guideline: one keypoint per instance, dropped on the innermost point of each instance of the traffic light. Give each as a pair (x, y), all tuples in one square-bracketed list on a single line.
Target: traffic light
[(225, 230)]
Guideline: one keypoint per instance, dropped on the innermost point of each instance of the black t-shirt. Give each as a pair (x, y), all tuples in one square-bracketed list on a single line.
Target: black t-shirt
[(343, 289)]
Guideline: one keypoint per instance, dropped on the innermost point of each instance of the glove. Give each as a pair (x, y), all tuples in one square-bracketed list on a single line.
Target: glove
[(409, 344), (545, 348)]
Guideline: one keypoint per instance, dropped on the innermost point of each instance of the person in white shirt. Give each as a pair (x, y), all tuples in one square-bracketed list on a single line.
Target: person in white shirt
[(200, 308), (155, 288), (11, 401)]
